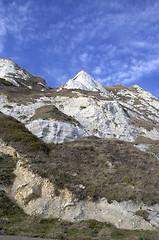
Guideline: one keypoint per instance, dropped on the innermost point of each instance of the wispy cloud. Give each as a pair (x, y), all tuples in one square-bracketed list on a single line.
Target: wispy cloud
[(116, 41), (84, 58), (98, 70), (132, 73)]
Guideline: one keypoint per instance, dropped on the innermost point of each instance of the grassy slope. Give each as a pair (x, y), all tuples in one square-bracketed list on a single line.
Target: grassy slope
[(110, 168), (52, 112), (13, 221), (15, 134), (106, 167)]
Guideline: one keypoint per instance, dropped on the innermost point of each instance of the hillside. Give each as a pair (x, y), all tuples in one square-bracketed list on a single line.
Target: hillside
[(80, 151)]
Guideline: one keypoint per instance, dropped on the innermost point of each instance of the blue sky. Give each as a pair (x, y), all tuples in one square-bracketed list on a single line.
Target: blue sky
[(115, 41)]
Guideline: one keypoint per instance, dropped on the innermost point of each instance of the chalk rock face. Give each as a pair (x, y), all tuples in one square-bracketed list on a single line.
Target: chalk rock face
[(36, 195), (106, 112), (101, 118), (84, 81), (138, 102), (80, 108), (54, 131), (95, 116), (19, 77)]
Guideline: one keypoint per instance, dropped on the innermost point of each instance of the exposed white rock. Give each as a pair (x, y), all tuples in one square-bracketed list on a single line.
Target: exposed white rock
[(142, 147), (139, 102), (100, 118), (97, 117), (36, 196), (6, 149), (84, 81), (8, 69), (103, 117), (57, 132), (152, 134), (18, 76)]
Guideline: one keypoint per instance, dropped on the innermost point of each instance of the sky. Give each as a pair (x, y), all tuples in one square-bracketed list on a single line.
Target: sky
[(115, 41)]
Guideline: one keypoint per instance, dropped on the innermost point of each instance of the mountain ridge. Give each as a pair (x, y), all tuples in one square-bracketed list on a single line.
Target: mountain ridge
[(73, 147), (11, 72)]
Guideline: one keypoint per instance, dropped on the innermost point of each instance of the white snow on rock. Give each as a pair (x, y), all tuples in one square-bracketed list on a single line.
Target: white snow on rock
[(84, 81)]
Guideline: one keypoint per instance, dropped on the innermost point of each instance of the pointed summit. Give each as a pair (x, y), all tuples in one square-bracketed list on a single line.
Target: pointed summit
[(19, 77), (84, 81)]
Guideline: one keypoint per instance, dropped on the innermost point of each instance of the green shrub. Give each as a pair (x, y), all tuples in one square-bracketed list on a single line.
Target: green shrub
[(15, 133), (39, 146), (7, 166)]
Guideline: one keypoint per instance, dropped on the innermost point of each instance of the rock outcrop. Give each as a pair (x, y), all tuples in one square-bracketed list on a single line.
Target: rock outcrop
[(118, 112), (80, 108), (36, 195), (19, 77)]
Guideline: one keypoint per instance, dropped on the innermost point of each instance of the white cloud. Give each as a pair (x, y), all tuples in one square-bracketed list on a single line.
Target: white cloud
[(134, 73), (115, 39), (17, 19), (84, 57), (98, 70)]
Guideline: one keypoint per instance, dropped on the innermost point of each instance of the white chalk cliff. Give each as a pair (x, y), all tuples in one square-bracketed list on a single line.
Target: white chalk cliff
[(84, 81), (80, 108), (19, 77), (99, 112)]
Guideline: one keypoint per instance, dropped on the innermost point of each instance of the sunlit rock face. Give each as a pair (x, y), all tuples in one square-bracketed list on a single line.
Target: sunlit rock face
[(80, 108), (36, 195), (84, 81), (19, 77), (106, 112), (54, 131)]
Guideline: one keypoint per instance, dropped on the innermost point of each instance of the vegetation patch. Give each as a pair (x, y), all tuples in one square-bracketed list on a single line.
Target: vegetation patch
[(13, 221), (7, 166), (142, 123), (143, 213), (101, 166), (4, 82), (15, 133), (153, 145), (51, 111)]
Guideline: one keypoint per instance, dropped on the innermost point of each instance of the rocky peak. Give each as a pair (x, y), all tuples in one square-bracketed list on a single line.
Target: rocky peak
[(19, 77), (48, 179), (84, 81)]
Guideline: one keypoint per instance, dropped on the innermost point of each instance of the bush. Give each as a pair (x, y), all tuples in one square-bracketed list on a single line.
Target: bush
[(15, 133)]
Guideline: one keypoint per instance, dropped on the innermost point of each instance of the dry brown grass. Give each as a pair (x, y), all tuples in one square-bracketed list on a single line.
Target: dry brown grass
[(106, 167), (142, 123), (15, 222), (52, 112), (24, 96)]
